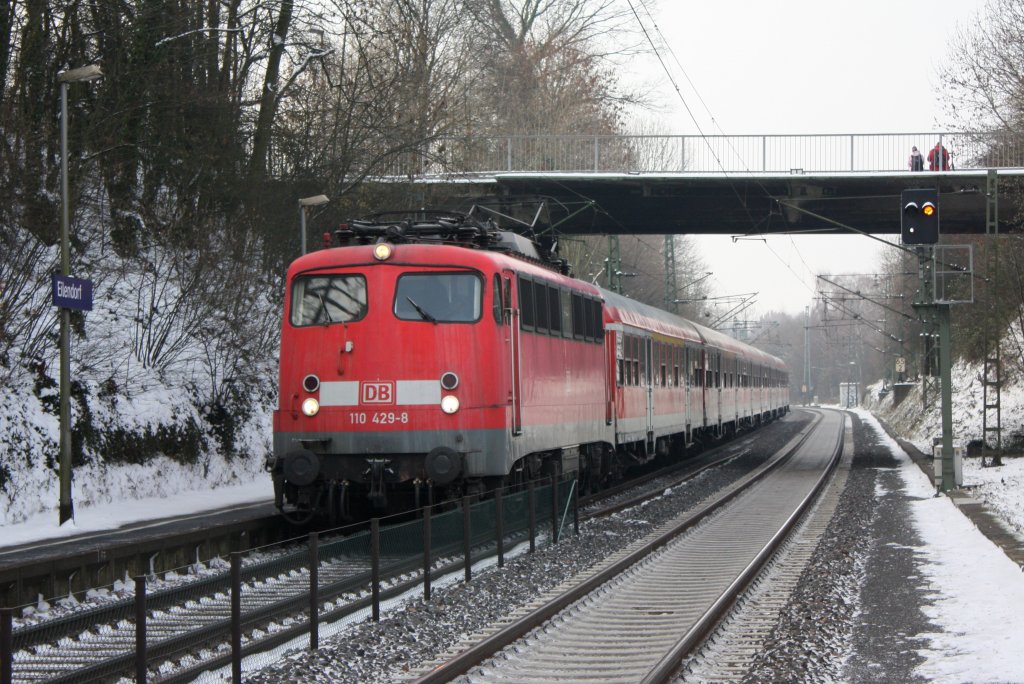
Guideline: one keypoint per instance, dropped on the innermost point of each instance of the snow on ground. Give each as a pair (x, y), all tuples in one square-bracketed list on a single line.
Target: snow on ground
[(29, 484), (977, 591), (111, 516), (1002, 490)]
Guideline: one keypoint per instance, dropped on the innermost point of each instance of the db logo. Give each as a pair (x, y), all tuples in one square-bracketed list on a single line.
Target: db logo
[(377, 393)]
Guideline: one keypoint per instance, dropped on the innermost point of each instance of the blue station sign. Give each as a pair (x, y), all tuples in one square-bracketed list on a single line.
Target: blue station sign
[(72, 293)]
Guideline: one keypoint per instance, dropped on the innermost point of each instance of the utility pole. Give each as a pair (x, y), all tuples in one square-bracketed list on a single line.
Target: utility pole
[(671, 290), (808, 390), (614, 265), (991, 415)]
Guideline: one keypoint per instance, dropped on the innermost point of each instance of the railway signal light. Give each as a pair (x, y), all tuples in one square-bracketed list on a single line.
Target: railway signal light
[(920, 220)]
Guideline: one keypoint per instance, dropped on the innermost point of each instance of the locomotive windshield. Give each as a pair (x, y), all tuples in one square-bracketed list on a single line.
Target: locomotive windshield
[(439, 297), (322, 300)]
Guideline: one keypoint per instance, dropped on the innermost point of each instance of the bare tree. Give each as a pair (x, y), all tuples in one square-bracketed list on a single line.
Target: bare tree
[(983, 78), (551, 60)]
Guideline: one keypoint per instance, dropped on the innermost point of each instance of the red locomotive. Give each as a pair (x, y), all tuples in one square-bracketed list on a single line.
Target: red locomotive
[(447, 355)]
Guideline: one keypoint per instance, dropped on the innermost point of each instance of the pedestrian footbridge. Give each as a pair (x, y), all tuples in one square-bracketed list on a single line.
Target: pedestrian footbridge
[(740, 185)]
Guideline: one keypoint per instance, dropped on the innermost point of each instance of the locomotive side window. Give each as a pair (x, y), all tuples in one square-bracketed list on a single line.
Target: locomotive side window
[(579, 326), (540, 298), (322, 300), (439, 297), (526, 318), (567, 330), (593, 314), (554, 311)]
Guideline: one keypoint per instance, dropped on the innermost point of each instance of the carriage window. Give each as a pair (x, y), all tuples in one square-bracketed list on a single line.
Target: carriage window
[(439, 297), (634, 355), (322, 300), (645, 363)]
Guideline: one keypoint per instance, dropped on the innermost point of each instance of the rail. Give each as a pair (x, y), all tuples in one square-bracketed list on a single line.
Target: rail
[(473, 652), (715, 154), (181, 622)]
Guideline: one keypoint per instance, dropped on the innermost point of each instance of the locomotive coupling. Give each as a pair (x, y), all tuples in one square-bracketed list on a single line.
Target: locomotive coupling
[(376, 472)]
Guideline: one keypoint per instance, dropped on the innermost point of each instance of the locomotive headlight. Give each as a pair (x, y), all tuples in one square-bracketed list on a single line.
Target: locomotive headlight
[(311, 407), (382, 251), (450, 404)]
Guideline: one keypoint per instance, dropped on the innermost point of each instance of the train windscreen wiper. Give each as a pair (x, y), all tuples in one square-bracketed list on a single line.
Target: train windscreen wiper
[(323, 307), (423, 314)]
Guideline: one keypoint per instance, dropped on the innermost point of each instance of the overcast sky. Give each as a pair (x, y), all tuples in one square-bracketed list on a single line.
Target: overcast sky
[(802, 66)]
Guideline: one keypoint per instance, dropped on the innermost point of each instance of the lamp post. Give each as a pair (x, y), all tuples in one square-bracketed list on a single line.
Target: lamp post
[(86, 73), (304, 202)]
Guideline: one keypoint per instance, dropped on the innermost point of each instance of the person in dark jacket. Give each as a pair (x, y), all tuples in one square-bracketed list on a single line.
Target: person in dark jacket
[(916, 162)]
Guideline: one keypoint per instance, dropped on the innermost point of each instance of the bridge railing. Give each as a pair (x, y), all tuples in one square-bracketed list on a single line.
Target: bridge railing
[(852, 152)]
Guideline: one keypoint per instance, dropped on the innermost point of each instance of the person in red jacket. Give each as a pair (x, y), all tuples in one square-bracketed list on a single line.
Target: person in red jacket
[(938, 158)]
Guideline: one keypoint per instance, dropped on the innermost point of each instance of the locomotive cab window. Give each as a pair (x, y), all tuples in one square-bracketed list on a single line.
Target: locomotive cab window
[(323, 300), (439, 297)]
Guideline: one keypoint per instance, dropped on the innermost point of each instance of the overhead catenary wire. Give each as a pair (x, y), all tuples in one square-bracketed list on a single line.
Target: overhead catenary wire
[(755, 224)]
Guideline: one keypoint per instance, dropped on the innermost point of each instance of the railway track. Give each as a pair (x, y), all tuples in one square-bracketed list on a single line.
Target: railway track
[(190, 624), (638, 614)]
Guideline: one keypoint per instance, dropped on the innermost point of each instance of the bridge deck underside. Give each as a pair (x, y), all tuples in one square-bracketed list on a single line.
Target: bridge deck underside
[(732, 205)]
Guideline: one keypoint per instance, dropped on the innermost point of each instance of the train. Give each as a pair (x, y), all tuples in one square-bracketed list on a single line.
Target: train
[(440, 356)]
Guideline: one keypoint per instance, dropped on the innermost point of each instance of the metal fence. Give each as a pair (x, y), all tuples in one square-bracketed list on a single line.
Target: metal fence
[(853, 152), (338, 575)]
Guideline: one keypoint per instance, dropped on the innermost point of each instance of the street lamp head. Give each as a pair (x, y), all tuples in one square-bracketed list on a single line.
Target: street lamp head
[(86, 73), (314, 201)]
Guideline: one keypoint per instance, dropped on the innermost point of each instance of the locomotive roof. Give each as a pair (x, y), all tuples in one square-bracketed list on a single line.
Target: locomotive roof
[(439, 255), (621, 308)]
